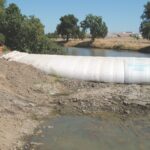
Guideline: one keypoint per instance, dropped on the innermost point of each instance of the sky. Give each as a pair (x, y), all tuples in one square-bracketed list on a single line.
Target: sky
[(119, 15)]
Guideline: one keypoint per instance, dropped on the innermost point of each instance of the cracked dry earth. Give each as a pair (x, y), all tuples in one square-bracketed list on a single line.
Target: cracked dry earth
[(28, 96)]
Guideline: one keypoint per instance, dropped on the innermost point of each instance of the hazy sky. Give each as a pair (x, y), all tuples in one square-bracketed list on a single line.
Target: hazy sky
[(119, 15)]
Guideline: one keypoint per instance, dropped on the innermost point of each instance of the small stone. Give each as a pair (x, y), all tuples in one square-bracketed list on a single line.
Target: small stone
[(84, 111), (50, 127), (127, 112)]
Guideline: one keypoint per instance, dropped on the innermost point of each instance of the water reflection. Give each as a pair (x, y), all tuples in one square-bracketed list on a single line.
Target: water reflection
[(104, 52)]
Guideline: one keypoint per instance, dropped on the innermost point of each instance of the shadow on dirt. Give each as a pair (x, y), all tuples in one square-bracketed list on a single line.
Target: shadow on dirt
[(80, 44), (84, 44), (145, 50)]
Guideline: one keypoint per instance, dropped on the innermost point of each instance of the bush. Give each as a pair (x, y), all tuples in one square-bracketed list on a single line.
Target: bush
[(52, 48), (52, 35), (6, 49), (118, 47), (2, 39), (46, 46), (55, 49)]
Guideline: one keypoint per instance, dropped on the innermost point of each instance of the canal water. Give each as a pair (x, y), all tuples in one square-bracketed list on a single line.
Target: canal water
[(104, 52), (87, 133)]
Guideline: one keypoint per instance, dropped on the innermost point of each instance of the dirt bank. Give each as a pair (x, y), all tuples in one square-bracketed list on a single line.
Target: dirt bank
[(122, 43), (27, 96)]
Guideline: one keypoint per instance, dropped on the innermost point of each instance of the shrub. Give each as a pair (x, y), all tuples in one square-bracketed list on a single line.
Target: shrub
[(2, 39), (52, 35), (46, 46), (53, 48), (118, 47), (6, 49)]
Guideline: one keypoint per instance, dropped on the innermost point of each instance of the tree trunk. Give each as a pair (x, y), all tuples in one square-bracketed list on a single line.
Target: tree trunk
[(67, 39), (93, 39)]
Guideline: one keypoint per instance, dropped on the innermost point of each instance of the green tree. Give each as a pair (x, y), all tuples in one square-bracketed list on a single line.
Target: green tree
[(11, 25), (2, 9), (53, 35), (81, 34), (34, 39), (95, 24), (32, 33), (145, 25), (2, 6), (24, 33), (68, 27), (21, 32)]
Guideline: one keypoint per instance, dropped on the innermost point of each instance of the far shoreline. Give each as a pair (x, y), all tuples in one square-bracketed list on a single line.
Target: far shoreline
[(121, 43)]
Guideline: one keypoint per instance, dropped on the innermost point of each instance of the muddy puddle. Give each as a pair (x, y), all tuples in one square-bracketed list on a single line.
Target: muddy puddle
[(88, 133)]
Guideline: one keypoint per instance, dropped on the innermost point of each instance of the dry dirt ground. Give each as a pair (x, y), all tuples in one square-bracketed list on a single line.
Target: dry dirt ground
[(25, 97), (28, 96)]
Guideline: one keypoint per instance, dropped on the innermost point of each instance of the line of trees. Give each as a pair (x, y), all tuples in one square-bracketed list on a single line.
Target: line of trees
[(69, 28), (24, 33)]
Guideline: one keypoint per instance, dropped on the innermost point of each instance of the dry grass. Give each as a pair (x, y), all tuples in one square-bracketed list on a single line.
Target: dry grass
[(124, 43)]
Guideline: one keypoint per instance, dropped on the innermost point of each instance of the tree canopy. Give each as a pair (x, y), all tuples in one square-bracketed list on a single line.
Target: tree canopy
[(95, 24), (2, 5), (2, 8), (68, 27), (33, 34), (145, 25), (11, 26), (24, 33)]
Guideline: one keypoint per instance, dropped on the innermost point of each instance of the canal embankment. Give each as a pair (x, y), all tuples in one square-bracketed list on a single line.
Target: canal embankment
[(28, 97)]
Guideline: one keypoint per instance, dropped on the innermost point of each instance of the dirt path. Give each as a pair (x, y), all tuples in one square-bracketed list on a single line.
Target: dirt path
[(27, 96)]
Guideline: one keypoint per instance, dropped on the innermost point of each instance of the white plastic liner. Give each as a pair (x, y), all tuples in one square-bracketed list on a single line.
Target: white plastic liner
[(101, 69)]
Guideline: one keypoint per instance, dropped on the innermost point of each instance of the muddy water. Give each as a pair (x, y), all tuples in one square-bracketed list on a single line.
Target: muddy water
[(104, 52), (86, 133)]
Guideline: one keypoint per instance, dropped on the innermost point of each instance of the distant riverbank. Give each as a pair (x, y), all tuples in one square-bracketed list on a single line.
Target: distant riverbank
[(122, 43)]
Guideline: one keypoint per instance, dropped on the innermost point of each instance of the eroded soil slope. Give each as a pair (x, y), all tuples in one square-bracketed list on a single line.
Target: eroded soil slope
[(25, 97)]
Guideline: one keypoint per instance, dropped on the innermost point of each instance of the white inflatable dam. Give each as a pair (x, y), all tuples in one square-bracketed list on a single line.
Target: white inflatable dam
[(100, 69)]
